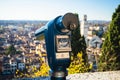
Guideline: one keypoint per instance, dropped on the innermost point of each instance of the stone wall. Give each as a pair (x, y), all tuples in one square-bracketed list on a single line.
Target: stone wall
[(112, 75)]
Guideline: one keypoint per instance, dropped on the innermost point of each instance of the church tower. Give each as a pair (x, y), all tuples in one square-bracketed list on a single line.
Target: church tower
[(84, 26)]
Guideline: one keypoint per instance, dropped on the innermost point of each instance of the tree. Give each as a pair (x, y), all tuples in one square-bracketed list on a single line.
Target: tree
[(116, 12), (11, 50), (33, 71), (78, 43), (78, 65), (83, 49), (110, 59)]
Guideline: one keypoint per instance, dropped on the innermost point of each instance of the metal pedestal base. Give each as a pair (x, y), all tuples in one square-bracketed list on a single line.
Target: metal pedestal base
[(59, 75)]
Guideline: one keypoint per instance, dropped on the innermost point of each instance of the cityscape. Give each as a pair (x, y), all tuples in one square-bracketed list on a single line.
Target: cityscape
[(59, 40), (25, 50), (20, 35)]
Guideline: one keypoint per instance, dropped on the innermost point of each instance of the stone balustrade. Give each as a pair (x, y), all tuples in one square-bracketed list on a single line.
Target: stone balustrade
[(110, 75)]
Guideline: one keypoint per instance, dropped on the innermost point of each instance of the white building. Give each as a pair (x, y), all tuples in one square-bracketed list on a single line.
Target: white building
[(13, 65), (21, 66), (84, 26)]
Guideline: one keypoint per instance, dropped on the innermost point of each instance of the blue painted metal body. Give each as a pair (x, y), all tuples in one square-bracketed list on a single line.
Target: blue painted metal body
[(50, 31)]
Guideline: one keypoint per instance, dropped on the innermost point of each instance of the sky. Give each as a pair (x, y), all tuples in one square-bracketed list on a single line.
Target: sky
[(49, 9)]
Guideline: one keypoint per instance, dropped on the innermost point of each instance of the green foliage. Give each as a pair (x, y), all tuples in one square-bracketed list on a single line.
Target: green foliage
[(83, 49), (115, 13), (18, 52), (75, 40), (11, 50), (78, 65), (110, 58), (44, 70), (108, 64), (78, 43), (94, 32), (32, 71), (1, 31)]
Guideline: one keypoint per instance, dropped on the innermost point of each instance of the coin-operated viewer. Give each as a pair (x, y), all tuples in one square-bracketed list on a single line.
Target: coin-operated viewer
[(57, 33)]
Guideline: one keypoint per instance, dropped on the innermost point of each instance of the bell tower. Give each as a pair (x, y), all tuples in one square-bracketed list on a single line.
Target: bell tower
[(84, 26)]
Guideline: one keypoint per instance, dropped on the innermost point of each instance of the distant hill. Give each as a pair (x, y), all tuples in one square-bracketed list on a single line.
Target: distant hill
[(98, 21), (16, 22)]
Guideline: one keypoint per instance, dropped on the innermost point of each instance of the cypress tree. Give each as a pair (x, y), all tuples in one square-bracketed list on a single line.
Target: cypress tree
[(75, 40), (110, 59), (78, 43)]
